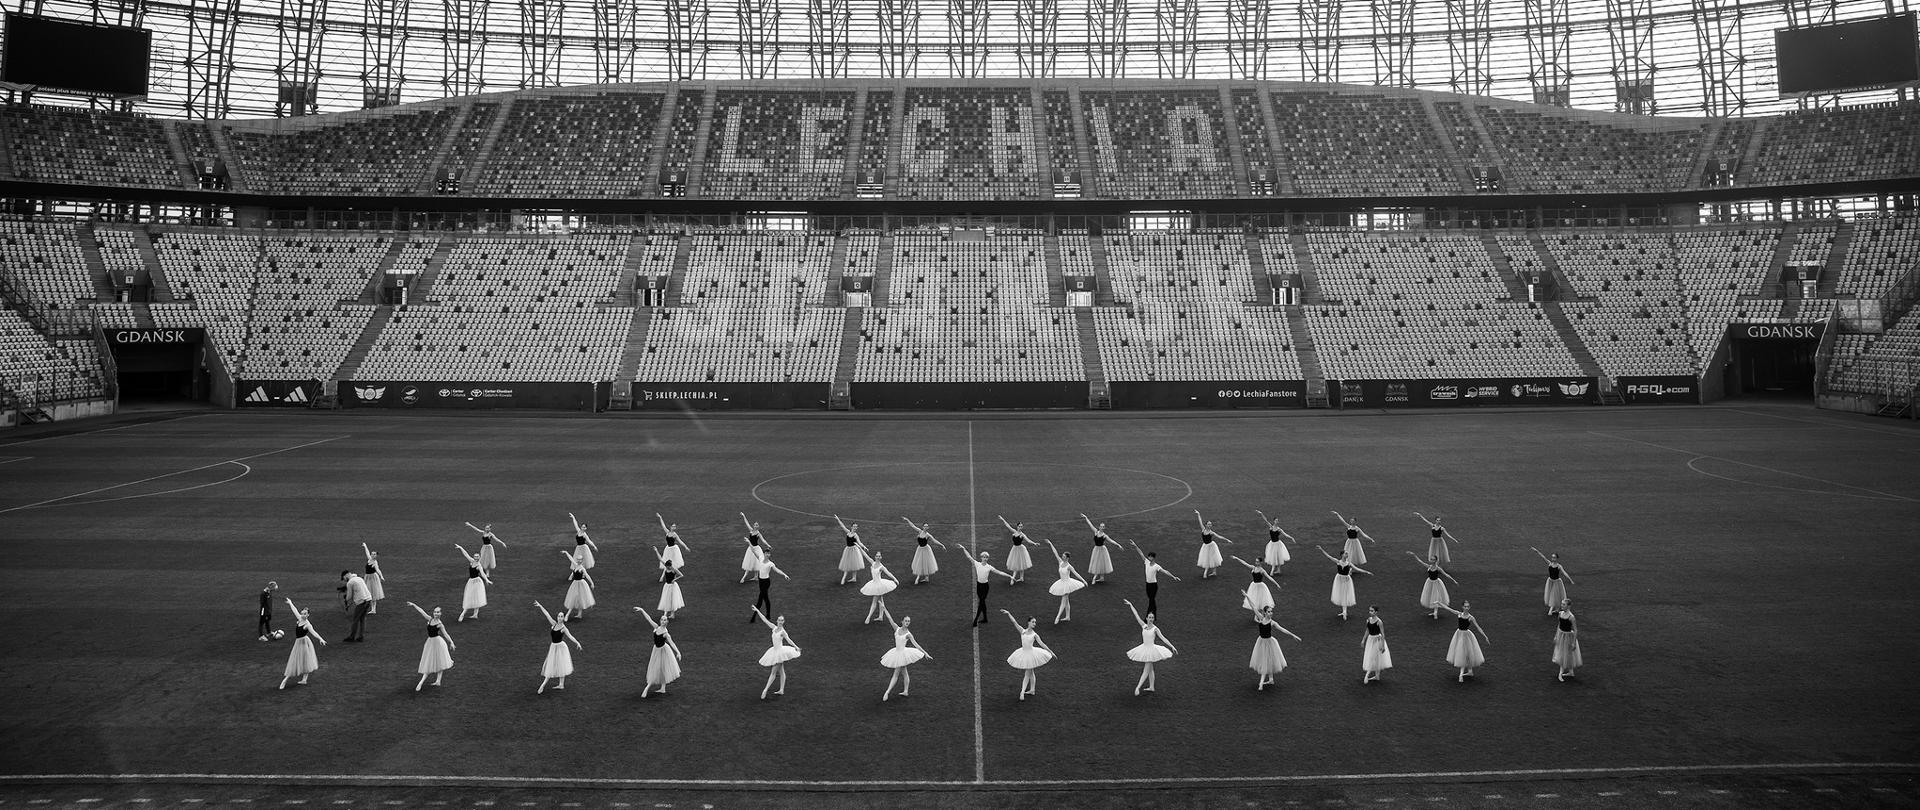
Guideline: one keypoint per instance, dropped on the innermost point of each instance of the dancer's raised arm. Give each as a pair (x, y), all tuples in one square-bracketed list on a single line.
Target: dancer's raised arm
[(1050, 547), (1261, 572), (1090, 526), (543, 612), (1011, 619), (1136, 613), (648, 616), (1323, 553), (763, 618), (487, 531)]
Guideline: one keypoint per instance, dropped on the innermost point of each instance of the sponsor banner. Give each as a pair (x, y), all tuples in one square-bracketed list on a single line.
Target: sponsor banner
[(1455, 393), (275, 393), (1208, 394), (151, 337), (729, 396), (573, 396), (967, 396), (1776, 331), (1659, 390)]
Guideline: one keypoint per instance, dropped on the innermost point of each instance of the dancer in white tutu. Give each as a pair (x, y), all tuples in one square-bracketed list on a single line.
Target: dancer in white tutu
[(1464, 650), (1354, 535), (1153, 573), (905, 653), (559, 662), (1100, 559), (757, 547), (853, 558), (1433, 595), (375, 577), (1267, 659), (1375, 658), (1149, 651), (671, 600), (1557, 581), (1209, 559), (880, 583), (1276, 553), (1566, 641), (583, 545), (1343, 569), (436, 657), (1018, 558), (488, 540), (663, 666), (1438, 538), (475, 596), (301, 661), (925, 563), (1032, 655), (1069, 581), (776, 657), (1258, 595), (579, 588), (674, 543)]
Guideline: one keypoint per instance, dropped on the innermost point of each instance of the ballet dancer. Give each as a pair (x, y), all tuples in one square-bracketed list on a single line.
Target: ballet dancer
[(580, 587), (671, 600), (905, 653), (1154, 573), (583, 546), (882, 582), (757, 547), (1440, 537), (1276, 553), (1267, 658), (1375, 658), (1258, 595), (437, 656), (302, 661), (376, 579), (853, 558), (1100, 559), (1209, 560), (475, 596), (1354, 535), (1018, 558), (1566, 641), (763, 570), (1557, 581), (925, 563), (1343, 569), (559, 663), (1434, 594), (674, 543), (663, 667), (1148, 651), (1069, 581), (487, 541), (1464, 650), (1032, 655), (776, 657), (983, 572)]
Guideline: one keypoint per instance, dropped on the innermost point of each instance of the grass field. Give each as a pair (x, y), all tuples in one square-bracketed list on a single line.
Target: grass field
[(1740, 576)]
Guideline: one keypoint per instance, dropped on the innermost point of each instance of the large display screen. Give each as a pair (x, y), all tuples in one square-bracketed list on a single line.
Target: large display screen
[(1873, 52), (65, 55)]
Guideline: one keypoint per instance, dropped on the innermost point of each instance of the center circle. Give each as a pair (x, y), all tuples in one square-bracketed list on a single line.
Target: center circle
[(960, 493)]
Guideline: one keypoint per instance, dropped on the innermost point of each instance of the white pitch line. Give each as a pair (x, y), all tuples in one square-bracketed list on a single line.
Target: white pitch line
[(973, 543), (168, 475), (1698, 455), (561, 781), (102, 430)]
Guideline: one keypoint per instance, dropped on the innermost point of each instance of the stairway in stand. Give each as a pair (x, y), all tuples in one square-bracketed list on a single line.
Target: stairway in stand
[(1570, 336), (1309, 355), (350, 365), (1056, 277), (1309, 272), (636, 345), (423, 285), (1516, 286), (840, 392), (1257, 259), (835, 295), (1099, 396)]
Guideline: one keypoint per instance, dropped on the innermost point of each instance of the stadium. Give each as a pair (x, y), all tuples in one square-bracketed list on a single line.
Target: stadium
[(1629, 282)]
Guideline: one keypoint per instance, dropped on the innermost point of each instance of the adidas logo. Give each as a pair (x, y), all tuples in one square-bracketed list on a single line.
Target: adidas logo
[(259, 395), (299, 395)]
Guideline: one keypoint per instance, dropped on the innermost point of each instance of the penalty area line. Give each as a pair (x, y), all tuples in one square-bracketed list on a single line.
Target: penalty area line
[(169, 475)]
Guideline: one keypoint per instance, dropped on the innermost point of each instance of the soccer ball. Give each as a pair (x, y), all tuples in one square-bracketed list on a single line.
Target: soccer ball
[(279, 633)]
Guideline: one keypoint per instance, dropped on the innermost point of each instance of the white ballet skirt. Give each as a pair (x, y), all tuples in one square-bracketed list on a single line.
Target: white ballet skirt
[(672, 552), (670, 598), (1209, 554), (1029, 656), (1018, 559), (750, 561), (1343, 590), (1464, 651), (1149, 652), (374, 588), (851, 559), (579, 596), (583, 553), (302, 659), (925, 564), (475, 596), (1277, 553), (435, 656), (487, 562), (781, 652), (1555, 593), (1434, 594), (1066, 584), (902, 654), (1437, 549), (1099, 561), (559, 663), (1258, 596), (1377, 657), (1566, 649), (1356, 554), (664, 667), (1267, 658), (878, 585)]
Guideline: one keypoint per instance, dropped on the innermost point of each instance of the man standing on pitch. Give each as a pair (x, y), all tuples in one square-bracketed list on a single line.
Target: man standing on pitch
[(983, 571), (1154, 572), (359, 601), (266, 610)]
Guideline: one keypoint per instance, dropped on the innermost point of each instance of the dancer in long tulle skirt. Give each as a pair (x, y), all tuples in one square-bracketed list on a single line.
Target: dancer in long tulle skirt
[(1438, 538), (1275, 554), (853, 558), (1566, 641), (1032, 655), (475, 596), (675, 543), (1019, 559), (1558, 579), (925, 562), (1258, 596), (1209, 559), (757, 547), (1464, 650), (488, 540), (559, 662), (905, 653), (1150, 650), (1069, 581), (1267, 660), (778, 654), (672, 601), (376, 578), (579, 588), (1375, 658), (1100, 558), (583, 545), (663, 666), (880, 583), (301, 661), (1343, 570), (1354, 535), (436, 656), (1433, 594)]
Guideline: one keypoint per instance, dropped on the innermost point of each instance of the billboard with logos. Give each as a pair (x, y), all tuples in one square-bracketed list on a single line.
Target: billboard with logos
[(1208, 394), (1659, 390), (275, 393), (729, 396), (1455, 393), (576, 396)]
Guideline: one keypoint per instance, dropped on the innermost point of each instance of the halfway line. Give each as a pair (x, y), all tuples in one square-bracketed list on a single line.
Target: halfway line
[(168, 475), (973, 542)]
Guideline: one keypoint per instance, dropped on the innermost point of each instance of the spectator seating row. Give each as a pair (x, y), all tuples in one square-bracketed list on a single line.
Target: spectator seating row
[(365, 154), (736, 340), (1886, 364), (1390, 268), (778, 145), (968, 306), (1339, 144), (39, 370), (1197, 340), (575, 145), (1883, 250), (1424, 340), (1837, 145), (783, 269), (969, 144), (94, 147), (44, 260), (1168, 143), (1208, 265), (1552, 153)]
